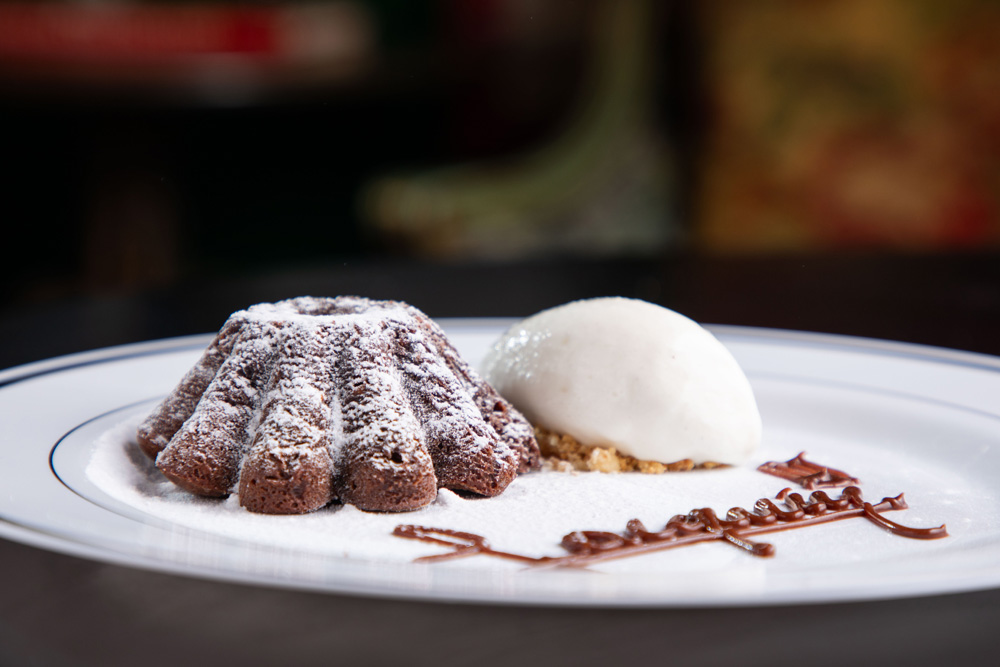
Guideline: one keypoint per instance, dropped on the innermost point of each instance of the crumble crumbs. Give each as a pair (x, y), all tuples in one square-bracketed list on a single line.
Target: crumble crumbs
[(564, 454)]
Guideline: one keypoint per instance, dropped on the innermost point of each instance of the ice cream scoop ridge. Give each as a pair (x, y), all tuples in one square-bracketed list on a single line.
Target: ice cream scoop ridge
[(628, 374)]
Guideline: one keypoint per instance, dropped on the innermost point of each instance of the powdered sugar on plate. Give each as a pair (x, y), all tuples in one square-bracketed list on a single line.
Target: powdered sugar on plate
[(529, 518)]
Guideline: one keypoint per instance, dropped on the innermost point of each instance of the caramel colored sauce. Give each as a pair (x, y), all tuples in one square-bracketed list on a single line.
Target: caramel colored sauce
[(807, 474), (739, 525)]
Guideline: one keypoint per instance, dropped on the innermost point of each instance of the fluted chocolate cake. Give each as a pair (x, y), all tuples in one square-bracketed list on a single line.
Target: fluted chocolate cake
[(306, 401)]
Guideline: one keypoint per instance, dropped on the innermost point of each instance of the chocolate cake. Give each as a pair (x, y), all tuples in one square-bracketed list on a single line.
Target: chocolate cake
[(310, 400)]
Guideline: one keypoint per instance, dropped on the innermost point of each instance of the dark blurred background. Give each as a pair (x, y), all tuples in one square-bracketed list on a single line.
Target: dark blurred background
[(155, 144)]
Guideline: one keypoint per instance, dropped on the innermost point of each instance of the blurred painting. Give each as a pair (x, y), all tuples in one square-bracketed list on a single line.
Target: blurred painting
[(850, 124)]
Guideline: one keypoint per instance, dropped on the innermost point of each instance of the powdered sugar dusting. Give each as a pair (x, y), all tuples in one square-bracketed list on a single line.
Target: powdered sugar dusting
[(535, 512), (530, 517)]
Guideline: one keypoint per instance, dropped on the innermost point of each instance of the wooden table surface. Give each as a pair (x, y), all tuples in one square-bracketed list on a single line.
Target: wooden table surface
[(61, 610)]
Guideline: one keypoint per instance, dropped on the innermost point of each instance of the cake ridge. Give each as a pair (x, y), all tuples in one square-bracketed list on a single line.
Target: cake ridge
[(384, 451), (284, 468), (454, 424), (205, 452)]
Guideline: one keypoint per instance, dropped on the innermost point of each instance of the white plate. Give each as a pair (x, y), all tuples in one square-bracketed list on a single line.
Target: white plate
[(902, 418)]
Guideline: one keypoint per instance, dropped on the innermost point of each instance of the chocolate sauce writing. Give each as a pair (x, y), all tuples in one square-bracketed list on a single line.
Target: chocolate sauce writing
[(586, 547), (807, 474)]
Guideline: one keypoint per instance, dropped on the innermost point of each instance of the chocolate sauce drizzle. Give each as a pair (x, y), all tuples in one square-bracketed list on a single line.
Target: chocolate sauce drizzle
[(586, 547), (807, 474)]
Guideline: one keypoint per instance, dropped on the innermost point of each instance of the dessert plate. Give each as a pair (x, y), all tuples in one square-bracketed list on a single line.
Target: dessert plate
[(899, 417)]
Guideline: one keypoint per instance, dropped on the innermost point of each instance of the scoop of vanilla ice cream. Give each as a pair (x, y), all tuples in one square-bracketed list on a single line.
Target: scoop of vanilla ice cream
[(629, 374)]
